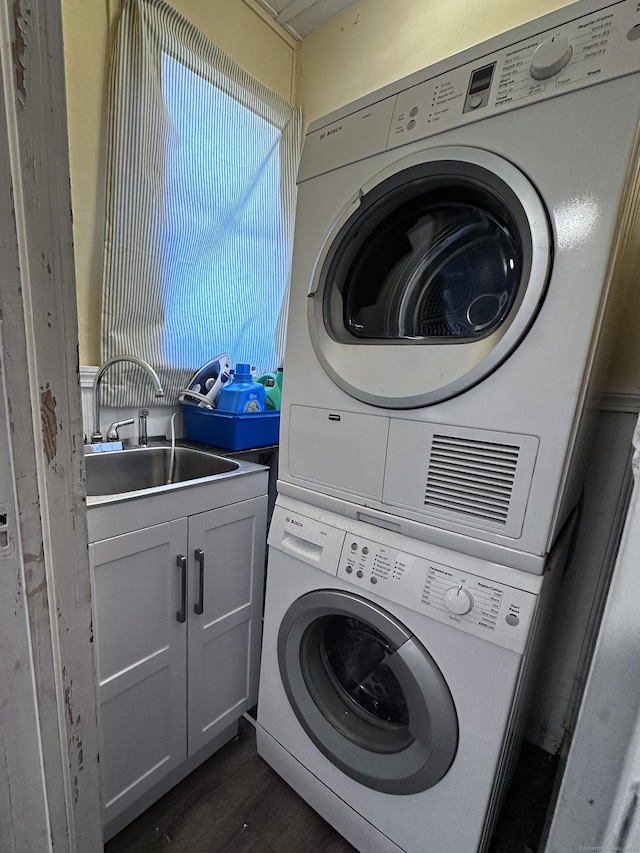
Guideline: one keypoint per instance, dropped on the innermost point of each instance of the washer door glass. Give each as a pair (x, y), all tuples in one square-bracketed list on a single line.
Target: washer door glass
[(367, 692), (346, 667), (439, 269)]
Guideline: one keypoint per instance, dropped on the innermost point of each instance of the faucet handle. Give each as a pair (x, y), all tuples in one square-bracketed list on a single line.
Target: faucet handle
[(112, 433)]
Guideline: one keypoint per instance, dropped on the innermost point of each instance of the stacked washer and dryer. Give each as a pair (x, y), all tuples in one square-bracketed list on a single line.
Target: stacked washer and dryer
[(457, 235)]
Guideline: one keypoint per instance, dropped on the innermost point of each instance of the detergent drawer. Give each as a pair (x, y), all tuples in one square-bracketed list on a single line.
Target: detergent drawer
[(338, 449)]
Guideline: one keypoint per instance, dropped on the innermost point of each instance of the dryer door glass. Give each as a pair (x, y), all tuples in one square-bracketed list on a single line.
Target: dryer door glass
[(367, 692), (435, 272), (427, 262)]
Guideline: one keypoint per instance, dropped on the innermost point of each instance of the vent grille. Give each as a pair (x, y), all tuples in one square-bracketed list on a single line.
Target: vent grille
[(473, 478)]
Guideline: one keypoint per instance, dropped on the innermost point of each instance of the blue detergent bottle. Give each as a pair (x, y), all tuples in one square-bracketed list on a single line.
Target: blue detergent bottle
[(242, 395)]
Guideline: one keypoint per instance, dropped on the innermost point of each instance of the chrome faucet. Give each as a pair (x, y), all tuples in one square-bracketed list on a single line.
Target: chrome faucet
[(112, 432), (96, 435)]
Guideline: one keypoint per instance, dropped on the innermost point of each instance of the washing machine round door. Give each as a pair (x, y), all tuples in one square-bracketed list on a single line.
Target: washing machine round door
[(429, 278), (367, 692)]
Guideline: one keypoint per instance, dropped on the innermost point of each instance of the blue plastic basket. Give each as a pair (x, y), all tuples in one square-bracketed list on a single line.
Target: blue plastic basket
[(229, 430)]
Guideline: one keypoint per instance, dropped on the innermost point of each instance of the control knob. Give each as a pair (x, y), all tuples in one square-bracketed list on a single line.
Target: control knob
[(458, 600), (550, 57)]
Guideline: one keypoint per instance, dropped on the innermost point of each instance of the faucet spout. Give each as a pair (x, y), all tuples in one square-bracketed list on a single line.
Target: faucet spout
[(96, 435)]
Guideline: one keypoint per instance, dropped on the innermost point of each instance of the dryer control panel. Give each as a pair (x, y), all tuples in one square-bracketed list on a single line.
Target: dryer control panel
[(575, 54), (477, 605), (573, 50)]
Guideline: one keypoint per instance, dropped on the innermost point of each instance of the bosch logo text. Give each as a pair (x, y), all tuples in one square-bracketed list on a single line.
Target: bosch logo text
[(329, 132)]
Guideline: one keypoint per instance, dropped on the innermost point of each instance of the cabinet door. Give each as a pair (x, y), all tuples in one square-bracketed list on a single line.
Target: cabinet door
[(140, 653), (226, 550)]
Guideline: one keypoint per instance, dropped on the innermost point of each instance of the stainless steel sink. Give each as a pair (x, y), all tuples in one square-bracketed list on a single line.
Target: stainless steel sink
[(141, 469)]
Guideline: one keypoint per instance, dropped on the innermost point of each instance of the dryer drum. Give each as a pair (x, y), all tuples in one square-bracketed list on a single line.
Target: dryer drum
[(435, 271)]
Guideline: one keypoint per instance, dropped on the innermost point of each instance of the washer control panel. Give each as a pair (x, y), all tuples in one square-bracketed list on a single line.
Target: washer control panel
[(495, 611)]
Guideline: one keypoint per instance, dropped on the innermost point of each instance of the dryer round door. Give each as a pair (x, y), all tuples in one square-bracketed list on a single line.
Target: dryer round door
[(367, 692), (429, 278)]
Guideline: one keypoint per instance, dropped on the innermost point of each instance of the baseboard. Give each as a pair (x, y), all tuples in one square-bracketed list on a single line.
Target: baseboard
[(87, 375), (620, 400)]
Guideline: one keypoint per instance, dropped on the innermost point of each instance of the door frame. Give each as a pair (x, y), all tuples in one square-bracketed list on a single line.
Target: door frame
[(49, 780)]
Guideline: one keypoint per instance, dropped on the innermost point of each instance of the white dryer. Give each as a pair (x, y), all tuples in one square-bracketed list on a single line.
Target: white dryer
[(457, 236), (394, 679)]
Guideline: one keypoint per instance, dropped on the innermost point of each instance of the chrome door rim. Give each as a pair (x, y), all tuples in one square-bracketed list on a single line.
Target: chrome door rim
[(339, 359), (433, 719)]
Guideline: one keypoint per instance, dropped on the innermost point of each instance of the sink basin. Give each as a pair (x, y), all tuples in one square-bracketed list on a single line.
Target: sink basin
[(147, 468)]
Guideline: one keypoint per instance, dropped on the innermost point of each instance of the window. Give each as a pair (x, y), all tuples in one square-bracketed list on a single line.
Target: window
[(225, 250), (200, 205)]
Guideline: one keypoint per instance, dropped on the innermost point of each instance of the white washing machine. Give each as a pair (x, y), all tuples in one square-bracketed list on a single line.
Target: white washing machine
[(457, 236), (394, 679)]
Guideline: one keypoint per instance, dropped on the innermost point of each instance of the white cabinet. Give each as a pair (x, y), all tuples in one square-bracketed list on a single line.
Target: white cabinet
[(177, 618), (222, 638), (141, 651)]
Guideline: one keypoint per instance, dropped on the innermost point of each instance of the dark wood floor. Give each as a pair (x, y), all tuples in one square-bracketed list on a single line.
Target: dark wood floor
[(235, 803)]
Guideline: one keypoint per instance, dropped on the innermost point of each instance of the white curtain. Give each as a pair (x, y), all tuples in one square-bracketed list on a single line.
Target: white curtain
[(200, 206)]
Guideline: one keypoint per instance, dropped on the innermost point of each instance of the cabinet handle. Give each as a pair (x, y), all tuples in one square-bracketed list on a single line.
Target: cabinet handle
[(181, 615), (199, 605)]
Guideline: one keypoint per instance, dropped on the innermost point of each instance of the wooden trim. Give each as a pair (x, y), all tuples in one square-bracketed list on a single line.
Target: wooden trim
[(87, 375), (620, 400), (23, 801), (40, 335), (261, 12)]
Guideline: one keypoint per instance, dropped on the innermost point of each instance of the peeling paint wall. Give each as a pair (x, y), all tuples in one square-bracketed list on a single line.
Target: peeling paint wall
[(18, 49), (49, 423)]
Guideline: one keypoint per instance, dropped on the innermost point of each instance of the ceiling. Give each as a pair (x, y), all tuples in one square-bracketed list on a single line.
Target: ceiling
[(300, 17)]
